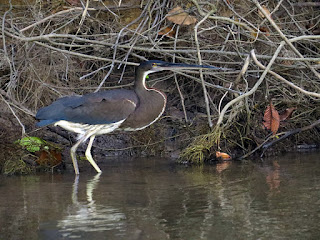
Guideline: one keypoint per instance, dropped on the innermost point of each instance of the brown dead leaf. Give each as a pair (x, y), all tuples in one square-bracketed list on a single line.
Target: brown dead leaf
[(262, 30), (286, 114), (49, 158), (167, 31), (223, 156), (179, 16), (271, 119), (265, 31)]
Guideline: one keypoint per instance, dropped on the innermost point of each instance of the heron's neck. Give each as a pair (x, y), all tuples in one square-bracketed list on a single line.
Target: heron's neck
[(140, 80)]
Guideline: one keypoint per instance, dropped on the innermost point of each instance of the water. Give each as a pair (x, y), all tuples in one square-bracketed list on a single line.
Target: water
[(154, 199)]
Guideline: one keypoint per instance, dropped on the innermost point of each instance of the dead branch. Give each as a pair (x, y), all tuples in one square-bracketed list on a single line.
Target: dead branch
[(287, 134), (283, 79)]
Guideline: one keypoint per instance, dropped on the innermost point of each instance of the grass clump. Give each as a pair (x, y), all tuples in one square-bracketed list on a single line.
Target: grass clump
[(201, 148), (12, 167)]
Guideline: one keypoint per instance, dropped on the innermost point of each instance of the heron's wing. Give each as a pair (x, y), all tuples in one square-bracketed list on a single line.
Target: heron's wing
[(101, 110), (94, 108)]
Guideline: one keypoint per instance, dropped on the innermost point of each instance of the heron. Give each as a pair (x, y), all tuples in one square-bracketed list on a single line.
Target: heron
[(103, 112)]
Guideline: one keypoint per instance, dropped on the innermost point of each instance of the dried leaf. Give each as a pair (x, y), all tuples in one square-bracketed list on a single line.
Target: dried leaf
[(262, 30), (168, 31), (223, 155), (49, 158), (271, 119), (286, 114), (180, 16), (254, 35), (266, 10)]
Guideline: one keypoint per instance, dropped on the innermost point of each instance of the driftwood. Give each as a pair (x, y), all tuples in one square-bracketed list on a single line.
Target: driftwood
[(280, 137)]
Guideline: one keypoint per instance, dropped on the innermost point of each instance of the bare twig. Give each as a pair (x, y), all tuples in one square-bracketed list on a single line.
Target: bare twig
[(23, 129), (283, 36), (283, 79), (176, 80), (252, 90), (77, 9), (205, 94), (13, 72), (16, 104), (148, 49)]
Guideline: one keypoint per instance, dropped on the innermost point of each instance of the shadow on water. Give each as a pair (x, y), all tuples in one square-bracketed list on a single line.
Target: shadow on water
[(153, 199)]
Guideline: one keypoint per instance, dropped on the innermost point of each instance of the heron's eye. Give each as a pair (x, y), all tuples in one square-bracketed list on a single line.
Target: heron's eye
[(154, 64)]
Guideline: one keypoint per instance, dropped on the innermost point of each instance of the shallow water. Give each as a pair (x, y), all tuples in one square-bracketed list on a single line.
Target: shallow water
[(278, 198)]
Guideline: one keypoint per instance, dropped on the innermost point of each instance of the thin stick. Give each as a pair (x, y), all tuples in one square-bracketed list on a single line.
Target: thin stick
[(13, 73), (252, 90), (83, 17), (283, 79), (205, 93), (176, 80), (16, 104), (51, 16), (23, 129), (168, 51), (84, 55), (283, 36)]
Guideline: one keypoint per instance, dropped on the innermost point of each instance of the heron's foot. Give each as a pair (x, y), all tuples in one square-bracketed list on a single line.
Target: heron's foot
[(92, 162)]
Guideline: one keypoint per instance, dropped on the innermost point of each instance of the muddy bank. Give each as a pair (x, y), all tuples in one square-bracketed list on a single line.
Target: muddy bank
[(165, 138)]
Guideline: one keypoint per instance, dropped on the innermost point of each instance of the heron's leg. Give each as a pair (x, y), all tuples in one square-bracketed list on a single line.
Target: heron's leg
[(73, 155), (89, 156), (91, 185)]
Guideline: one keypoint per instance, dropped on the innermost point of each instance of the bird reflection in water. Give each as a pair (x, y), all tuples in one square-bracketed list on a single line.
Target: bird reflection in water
[(84, 217)]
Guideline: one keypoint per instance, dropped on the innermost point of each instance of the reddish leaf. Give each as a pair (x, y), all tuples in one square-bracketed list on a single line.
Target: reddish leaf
[(223, 155), (287, 113), (271, 119), (265, 31)]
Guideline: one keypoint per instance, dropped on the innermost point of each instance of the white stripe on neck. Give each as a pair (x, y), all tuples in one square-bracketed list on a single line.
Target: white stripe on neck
[(145, 74)]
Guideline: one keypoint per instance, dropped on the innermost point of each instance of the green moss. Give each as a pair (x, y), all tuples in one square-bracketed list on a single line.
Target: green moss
[(32, 144)]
